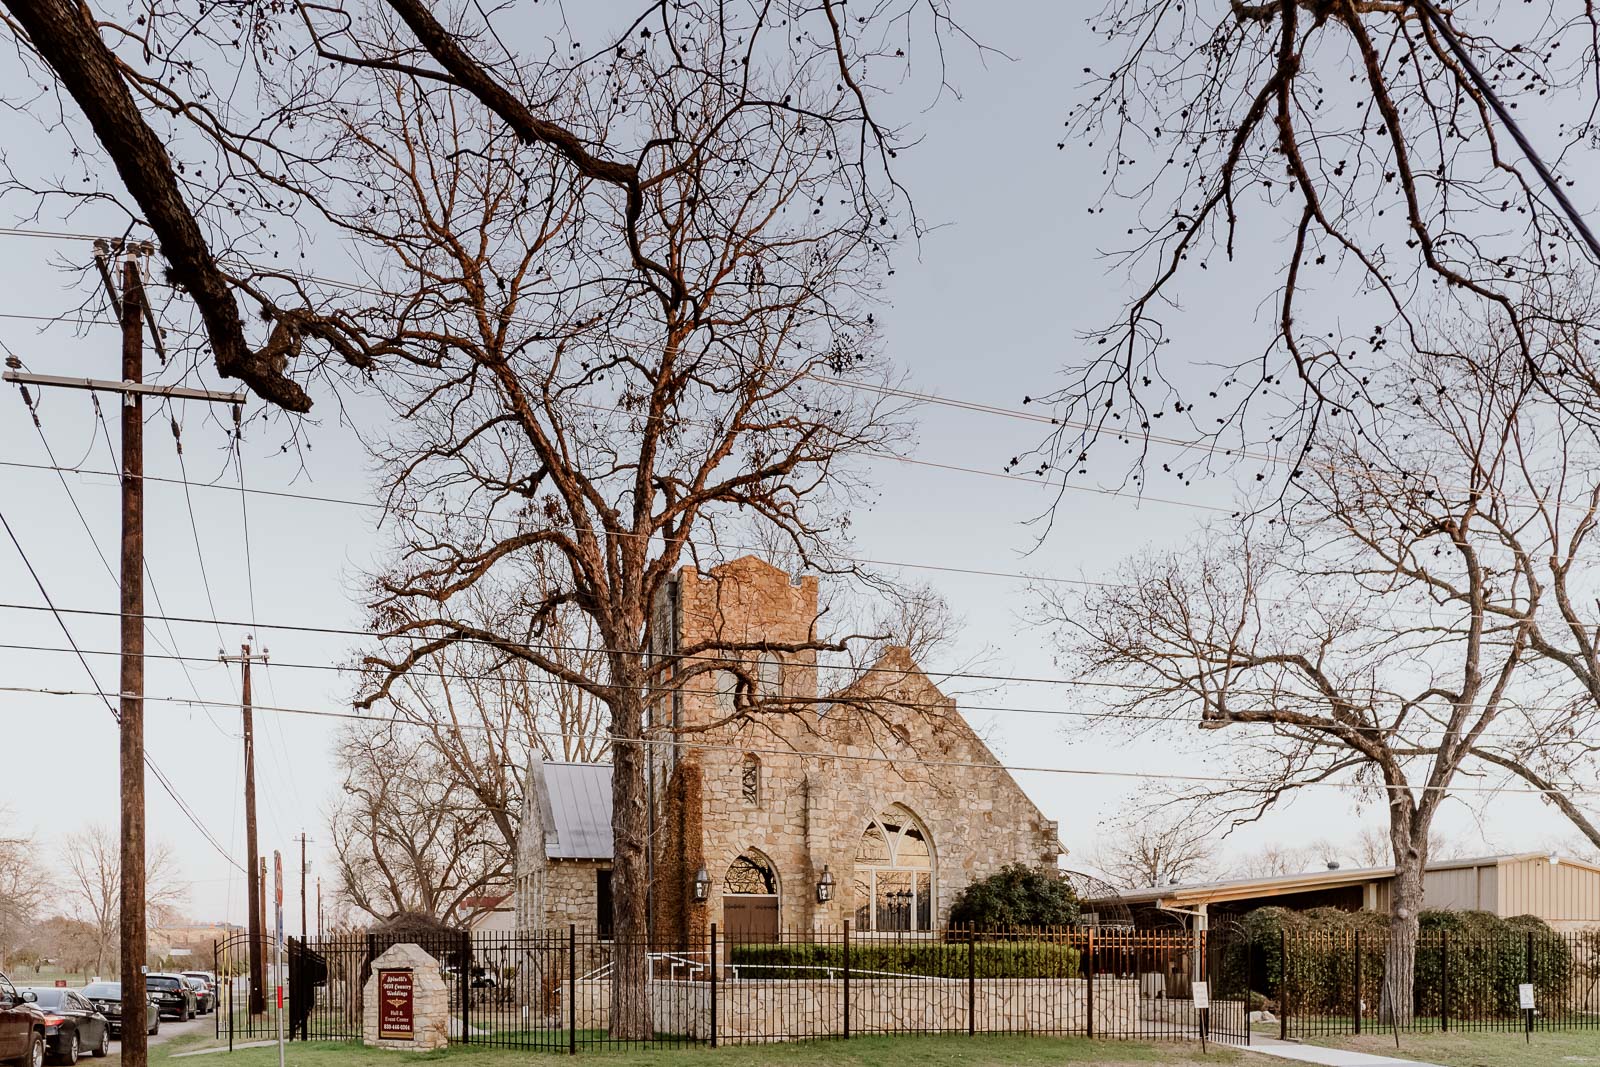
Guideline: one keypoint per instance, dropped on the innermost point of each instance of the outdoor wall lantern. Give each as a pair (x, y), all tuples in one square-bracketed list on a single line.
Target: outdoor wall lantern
[(702, 885), (825, 886)]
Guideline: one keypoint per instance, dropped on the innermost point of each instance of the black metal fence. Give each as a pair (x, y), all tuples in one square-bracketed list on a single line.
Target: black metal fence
[(553, 990), (1320, 984)]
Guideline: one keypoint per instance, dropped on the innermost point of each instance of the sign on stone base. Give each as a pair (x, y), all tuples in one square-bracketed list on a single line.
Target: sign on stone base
[(406, 1003)]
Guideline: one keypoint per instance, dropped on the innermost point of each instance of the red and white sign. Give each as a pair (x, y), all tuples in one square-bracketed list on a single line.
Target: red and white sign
[(396, 998)]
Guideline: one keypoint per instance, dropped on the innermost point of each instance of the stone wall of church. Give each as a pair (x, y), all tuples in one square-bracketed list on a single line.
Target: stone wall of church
[(826, 770), (825, 766), (569, 893)]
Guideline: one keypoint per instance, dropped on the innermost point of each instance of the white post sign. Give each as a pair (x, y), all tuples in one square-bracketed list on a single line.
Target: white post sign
[(1525, 996), (277, 870), (1201, 991)]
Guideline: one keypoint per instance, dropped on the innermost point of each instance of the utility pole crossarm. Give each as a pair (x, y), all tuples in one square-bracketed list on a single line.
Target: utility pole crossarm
[(102, 385)]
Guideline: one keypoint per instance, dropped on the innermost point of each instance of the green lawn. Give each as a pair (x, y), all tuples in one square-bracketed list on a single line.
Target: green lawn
[(48, 976), (954, 1051), (1573, 1048)]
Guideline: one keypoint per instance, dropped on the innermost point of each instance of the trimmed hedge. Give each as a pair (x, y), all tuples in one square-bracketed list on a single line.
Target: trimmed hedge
[(1321, 972), (927, 959), (1487, 958)]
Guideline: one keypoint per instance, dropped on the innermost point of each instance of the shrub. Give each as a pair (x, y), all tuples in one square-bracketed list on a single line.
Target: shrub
[(1486, 957), (928, 959), (1321, 966), (1015, 896)]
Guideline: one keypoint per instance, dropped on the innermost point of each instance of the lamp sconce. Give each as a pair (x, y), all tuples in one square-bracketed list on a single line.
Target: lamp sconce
[(825, 886), (702, 885)]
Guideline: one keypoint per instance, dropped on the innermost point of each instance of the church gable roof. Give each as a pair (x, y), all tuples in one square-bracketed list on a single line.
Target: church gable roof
[(580, 810)]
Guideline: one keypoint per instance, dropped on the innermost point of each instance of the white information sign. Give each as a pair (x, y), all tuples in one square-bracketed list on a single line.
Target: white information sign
[(1525, 996), (1202, 994)]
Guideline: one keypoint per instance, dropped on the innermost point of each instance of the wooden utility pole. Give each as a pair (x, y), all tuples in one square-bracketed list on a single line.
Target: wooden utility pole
[(253, 872), (304, 932), (319, 906), (135, 1008), (132, 315)]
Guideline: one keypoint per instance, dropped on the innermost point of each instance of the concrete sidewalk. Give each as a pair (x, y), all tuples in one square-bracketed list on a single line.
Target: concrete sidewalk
[(1327, 1057)]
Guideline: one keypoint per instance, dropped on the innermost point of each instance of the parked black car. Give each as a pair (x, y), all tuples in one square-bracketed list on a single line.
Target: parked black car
[(203, 997), (213, 990), (172, 995), (72, 1025), (21, 1027), (107, 1000)]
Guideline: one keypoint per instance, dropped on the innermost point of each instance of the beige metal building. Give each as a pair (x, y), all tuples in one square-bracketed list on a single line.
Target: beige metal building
[(1562, 891)]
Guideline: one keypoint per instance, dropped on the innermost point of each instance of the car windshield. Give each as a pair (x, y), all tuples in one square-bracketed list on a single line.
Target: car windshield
[(49, 998), (156, 981), (104, 990)]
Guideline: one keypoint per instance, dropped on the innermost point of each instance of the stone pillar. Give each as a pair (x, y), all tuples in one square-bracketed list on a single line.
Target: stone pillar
[(407, 1004)]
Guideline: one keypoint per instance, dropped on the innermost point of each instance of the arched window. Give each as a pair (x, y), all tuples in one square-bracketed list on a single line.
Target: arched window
[(894, 874), (750, 779), (751, 875)]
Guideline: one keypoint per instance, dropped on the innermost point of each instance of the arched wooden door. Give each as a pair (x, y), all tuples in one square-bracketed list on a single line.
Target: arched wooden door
[(750, 900)]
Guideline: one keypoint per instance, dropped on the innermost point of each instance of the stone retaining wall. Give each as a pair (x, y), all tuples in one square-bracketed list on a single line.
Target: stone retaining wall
[(784, 1010)]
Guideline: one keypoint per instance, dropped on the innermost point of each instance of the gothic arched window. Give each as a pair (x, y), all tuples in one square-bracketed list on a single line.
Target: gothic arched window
[(894, 874)]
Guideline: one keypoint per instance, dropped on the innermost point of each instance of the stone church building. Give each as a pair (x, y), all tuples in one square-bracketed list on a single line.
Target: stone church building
[(877, 804)]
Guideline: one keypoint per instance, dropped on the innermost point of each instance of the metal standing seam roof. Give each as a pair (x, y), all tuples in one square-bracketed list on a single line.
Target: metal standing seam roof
[(580, 811), (1245, 888)]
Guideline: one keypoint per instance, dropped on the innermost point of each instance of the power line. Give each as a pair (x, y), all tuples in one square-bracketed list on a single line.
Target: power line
[(94, 541), (375, 506), (541, 646), (1397, 731), (821, 555), (150, 763), (1087, 772), (920, 397)]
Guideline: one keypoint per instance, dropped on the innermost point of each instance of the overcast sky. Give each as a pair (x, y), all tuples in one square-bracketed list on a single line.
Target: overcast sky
[(988, 308)]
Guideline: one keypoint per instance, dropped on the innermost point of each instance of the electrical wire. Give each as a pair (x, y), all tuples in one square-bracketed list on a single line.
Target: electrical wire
[(821, 555), (899, 701), (545, 646), (281, 757), (149, 761), (917, 761), (1143, 434)]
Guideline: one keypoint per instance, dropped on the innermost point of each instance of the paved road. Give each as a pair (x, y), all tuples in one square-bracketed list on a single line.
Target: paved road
[(200, 1024)]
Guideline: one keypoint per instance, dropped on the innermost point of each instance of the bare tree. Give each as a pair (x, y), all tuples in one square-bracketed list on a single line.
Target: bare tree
[(410, 835), (586, 400), (428, 819), (1319, 637), (74, 943), (1276, 860), (25, 885), (213, 123), (1143, 849), (92, 883), (1371, 847), (1347, 154)]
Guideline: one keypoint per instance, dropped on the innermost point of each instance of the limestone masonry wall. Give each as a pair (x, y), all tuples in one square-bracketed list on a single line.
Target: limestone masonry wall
[(569, 893), (784, 1010)]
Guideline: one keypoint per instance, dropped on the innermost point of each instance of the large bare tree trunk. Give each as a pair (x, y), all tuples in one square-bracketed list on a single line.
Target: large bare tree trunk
[(630, 997), (1405, 904)]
